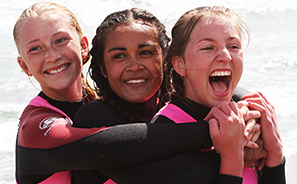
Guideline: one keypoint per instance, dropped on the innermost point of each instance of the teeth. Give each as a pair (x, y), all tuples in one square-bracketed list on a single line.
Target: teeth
[(57, 70), (220, 73), (135, 81)]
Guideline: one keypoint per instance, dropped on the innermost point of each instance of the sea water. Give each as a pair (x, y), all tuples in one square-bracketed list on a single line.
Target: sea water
[(270, 61)]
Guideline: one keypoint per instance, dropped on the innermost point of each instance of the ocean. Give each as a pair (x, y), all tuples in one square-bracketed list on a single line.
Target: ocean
[(270, 61)]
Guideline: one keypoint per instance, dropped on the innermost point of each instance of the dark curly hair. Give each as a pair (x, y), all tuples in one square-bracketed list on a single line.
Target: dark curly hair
[(109, 24)]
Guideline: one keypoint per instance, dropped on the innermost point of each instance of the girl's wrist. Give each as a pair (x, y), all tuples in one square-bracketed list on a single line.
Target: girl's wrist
[(274, 159), (232, 164)]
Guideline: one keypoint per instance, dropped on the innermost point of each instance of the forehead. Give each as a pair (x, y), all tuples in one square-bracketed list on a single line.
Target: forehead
[(215, 25), (48, 24), (49, 19), (135, 31)]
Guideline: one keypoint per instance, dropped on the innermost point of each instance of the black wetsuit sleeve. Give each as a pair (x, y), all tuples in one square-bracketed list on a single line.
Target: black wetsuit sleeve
[(228, 179), (273, 175), (146, 141), (112, 148), (239, 93)]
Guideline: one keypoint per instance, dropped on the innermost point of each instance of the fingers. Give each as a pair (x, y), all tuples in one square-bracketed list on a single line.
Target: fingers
[(253, 137), (252, 114), (249, 127), (220, 111), (213, 127), (256, 133), (262, 164), (251, 144), (252, 130)]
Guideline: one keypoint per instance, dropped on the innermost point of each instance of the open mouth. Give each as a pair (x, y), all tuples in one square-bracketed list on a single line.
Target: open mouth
[(57, 70), (220, 80)]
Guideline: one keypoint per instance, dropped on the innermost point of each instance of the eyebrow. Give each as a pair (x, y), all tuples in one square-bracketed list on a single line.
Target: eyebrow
[(117, 48), (211, 40), (55, 34), (139, 46), (146, 45)]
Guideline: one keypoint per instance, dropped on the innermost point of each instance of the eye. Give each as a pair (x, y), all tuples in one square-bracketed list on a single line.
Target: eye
[(33, 49), (147, 53), (119, 56), (61, 40), (207, 48), (234, 46)]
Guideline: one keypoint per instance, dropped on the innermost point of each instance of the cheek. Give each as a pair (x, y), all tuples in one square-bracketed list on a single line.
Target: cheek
[(239, 65), (113, 75), (155, 67)]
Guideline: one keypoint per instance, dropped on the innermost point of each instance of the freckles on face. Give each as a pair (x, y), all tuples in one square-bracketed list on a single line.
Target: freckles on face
[(133, 62), (52, 52), (213, 60)]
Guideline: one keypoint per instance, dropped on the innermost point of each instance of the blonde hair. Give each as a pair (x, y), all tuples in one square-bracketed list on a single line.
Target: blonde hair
[(38, 9)]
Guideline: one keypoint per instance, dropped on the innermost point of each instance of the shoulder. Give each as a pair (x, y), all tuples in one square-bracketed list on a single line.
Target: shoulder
[(96, 114), (37, 114), (36, 123), (174, 113), (238, 93)]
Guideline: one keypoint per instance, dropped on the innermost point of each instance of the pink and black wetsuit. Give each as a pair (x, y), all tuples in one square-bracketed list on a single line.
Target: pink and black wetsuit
[(47, 143), (193, 167)]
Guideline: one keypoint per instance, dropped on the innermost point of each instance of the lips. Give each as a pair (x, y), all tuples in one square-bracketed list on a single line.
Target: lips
[(57, 70), (135, 81), (219, 80)]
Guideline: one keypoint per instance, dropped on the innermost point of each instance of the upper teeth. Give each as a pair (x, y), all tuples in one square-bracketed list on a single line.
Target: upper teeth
[(220, 73), (57, 70), (135, 81)]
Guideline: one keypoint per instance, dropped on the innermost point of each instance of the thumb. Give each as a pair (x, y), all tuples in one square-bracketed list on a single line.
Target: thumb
[(209, 115), (214, 127)]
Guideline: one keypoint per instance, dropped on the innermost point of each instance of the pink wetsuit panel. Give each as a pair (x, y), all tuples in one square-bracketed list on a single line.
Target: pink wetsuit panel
[(59, 178), (177, 115)]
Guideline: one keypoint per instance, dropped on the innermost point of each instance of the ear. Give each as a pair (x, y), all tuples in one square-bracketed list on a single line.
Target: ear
[(24, 66), (178, 64), (103, 72), (84, 46)]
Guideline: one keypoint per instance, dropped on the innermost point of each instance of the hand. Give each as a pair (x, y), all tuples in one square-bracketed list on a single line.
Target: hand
[(269, 127), (227, 125), (252, 129), (255, 157)]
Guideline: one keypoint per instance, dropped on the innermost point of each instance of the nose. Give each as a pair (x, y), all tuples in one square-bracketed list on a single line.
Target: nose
[(52, 55), (134, 65), (224, 56)]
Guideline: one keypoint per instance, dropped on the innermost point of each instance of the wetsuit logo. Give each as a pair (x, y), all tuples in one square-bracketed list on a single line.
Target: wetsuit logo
[(46, 123)]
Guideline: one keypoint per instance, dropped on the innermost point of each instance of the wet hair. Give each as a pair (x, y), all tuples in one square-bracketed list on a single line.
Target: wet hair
[(110, 23), (37, 10), (180, 38)]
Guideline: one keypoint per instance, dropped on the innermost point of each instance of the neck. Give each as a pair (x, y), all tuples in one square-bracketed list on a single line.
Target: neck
[(70, 94), (145, 110)]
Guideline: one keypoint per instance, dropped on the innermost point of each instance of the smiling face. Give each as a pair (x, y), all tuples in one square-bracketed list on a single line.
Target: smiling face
[(212, 63), (133, 62), (51, 50)]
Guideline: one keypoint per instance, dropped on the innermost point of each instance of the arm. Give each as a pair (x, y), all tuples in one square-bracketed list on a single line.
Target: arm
[(162, 139), (182, 168), (271, 137), (227, 132), (100, 148)]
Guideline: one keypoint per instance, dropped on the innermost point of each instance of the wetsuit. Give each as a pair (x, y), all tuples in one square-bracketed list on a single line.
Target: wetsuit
[(47, 143), (194, 167), (98, 114)]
